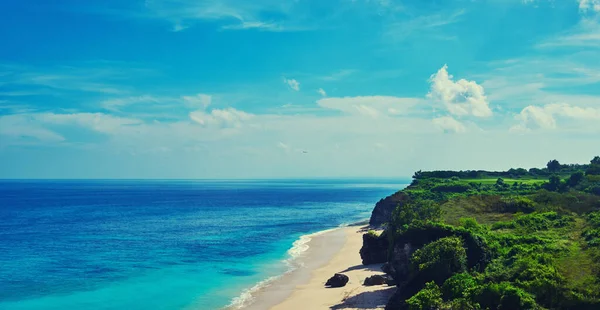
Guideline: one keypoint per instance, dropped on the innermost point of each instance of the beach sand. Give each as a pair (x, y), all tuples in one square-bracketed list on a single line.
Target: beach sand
[(329, 253)]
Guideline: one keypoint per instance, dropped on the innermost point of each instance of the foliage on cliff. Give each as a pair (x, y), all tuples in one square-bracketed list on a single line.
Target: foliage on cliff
[(521, 239)]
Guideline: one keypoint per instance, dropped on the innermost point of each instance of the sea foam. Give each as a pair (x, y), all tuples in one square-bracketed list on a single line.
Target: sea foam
[(293, 262)]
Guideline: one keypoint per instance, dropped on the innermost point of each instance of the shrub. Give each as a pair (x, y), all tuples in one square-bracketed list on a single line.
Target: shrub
[(451, 188), (373, 233), (536, 222), (457, 285), (440, 259), (471, 224), (428, 298), (407, 213), (503, 296), (514, 204)]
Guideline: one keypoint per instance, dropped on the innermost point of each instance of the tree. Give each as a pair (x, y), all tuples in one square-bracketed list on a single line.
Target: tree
[(575, 179), (594, 168), (553, 165), (554, 183), (500, 182)]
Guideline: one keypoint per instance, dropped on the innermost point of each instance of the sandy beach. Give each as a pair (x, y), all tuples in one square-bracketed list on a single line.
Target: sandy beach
[(329, 253)]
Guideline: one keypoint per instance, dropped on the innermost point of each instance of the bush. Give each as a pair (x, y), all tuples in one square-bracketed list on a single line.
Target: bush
[(471, 224), (503, 296), (451, 188), (428, 298), (440, 259), (457, 285), (421, 234), (536, 222), (514, 204), (406, 214), (373, 233)]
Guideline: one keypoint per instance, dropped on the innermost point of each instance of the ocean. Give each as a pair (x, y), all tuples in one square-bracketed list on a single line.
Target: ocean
[(108, 244)]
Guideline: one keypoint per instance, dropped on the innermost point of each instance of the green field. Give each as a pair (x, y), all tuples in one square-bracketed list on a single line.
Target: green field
[(491, 181)]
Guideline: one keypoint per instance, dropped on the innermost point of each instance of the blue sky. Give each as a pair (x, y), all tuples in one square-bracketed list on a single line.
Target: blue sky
[(295, 88)]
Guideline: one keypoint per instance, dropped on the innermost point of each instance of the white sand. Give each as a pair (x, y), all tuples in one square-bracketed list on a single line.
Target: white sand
[(333, 252)]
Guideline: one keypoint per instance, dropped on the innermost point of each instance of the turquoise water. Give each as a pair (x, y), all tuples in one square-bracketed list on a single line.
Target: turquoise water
[(160, 244)]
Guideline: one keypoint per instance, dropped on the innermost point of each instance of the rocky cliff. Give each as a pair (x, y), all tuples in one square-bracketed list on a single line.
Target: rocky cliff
[(374, 249), (382, 212)]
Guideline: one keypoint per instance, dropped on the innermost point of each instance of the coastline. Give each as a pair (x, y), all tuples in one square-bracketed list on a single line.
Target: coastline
[(318, 257)]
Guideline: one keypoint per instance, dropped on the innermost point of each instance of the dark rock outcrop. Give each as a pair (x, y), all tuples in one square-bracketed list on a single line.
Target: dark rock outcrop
[(338, 280), (382, 213), (374, 249), (375, 280), (399, 264)]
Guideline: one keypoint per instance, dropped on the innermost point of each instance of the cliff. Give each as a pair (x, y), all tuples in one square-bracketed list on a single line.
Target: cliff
[(492, 240), (382, 213)]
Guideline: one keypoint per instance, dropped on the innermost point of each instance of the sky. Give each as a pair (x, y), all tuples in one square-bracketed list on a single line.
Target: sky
[(191, 89)]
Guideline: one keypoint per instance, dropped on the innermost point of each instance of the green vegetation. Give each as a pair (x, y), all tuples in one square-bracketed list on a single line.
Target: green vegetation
[(520, 239)]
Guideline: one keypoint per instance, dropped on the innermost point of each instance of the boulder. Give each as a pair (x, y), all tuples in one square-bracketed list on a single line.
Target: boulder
[(374, 249), (375, 280), (338, 280)]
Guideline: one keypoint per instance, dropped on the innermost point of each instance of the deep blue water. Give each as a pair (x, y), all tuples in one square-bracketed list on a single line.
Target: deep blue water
[(160, 244)]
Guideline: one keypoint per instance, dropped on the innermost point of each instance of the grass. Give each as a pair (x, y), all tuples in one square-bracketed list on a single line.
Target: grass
[(455, 209), (492, 181)]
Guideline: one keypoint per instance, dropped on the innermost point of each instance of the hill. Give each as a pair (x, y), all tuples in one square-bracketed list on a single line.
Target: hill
[(519, 239)]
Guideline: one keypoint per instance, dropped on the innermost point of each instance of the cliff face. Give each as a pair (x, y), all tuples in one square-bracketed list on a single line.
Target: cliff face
[(382, 212), (374, 249)]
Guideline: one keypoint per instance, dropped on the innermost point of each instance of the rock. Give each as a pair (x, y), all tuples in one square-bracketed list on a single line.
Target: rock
[(399, 265), (338, 280), (375, 280), (374, 249), (387, 268), (382, 213)]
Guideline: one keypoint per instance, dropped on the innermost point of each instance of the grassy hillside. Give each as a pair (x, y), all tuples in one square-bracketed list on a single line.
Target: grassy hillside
[(521, 239)]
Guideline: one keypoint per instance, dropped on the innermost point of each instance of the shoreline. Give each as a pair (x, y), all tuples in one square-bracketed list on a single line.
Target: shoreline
[(302, 287)]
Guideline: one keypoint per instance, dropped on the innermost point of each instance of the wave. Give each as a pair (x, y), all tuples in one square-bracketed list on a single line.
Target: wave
[(298, 250)]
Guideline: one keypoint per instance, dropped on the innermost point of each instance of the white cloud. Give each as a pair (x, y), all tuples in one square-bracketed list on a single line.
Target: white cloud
[(116, 103), (336, 76), (574, 112), (236, 14), (284, 146), (322, 92), (193, 102), (544, 117), (585, 34), (225, 118), (22, 126), (537, 116), (589, 5), (292, 83), (199, 100), (100, 122), (179, 27), (255, 25), (461, 98), (423, 25), (449, 124), (372, 106)]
